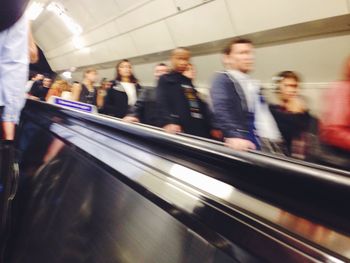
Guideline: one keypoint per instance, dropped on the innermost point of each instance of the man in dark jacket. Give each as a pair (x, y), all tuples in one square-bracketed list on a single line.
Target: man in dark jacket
[(180, 108), (234, 95), (145, 109)]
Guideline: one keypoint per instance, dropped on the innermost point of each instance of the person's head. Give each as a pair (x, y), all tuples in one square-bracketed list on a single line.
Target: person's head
[(47, 82), (60, 86), (106, 84), (180, 58), (160, 70), (32, 75), (347, 69), (90, 75), (239, 55), (287, 85), (124, 72), (39, 76), (190, 72)]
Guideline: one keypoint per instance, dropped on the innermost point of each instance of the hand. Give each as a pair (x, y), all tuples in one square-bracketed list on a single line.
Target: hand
[(172, 128), (216, 134), (33, 97), (239, 144), (131, 119)]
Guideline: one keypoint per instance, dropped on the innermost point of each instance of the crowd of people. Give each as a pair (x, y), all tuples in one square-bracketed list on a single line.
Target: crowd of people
[(237, 113)]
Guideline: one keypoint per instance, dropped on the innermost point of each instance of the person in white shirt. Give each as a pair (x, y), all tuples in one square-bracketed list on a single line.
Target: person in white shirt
[(14, 61), (124, 92)]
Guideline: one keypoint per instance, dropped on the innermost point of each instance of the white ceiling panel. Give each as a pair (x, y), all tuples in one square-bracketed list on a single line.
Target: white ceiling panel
[(99, 34), (101, 11), (81, 13), (65, 48), (146, 14), (153, 38), (203, 24), (185, 4), (256, 15), (121, 47), (100, 53), (81, 58), (127, 4), (48, 38)]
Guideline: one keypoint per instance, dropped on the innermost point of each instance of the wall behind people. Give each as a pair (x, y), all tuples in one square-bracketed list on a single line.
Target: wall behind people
[(318, 60)]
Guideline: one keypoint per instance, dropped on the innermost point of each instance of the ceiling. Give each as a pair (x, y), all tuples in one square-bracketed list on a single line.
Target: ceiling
[(116, 29)]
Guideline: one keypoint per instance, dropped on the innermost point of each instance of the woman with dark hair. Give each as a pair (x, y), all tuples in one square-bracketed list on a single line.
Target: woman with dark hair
[(124, 92), (291, 113)]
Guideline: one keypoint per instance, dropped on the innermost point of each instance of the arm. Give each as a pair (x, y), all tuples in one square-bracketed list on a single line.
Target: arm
[(51, 93), (100, 98), (76, 89), (33, 49), (14, 72)]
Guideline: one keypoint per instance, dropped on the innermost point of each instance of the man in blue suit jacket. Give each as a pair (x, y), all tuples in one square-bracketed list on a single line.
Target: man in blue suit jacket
[(234, 97)]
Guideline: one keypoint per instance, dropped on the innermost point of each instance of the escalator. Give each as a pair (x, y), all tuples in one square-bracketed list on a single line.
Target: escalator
[(96, 189)]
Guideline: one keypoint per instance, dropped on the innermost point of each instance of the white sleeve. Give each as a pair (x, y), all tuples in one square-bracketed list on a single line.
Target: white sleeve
[(14, 63)]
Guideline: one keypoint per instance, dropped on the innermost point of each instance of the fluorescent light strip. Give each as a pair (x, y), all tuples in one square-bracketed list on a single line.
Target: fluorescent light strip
[(59, 10), (34, 10)]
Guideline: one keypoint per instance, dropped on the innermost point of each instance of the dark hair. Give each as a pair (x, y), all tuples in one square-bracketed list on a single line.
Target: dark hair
[(228, 49), (161, 65), (47, 76), (133, 79), (179, 48), (32, 74), (288, 74)]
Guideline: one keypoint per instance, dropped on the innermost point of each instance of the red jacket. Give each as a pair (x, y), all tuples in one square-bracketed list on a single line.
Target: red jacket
[(335, 122)]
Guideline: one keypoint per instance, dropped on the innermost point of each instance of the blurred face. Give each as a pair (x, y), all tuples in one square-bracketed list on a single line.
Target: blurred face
[(180, 59), (47, 82), (190, 72), (241, 57), (125, 69), (160, 71), (107, 85), (91, 76), (39, 77), (289, 88)]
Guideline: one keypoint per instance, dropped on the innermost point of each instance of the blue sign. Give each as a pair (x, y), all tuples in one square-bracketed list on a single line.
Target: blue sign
[(74, 105)]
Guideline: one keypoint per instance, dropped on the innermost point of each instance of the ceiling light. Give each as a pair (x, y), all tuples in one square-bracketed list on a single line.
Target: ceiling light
[(59, 10), (67, 75), (34, 10), (78, 42)]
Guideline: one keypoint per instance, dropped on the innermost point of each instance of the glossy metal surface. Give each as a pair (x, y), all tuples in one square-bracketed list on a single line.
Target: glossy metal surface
[(104, 191)]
